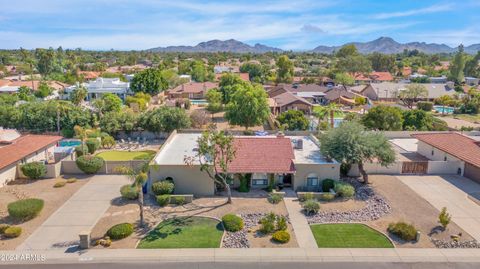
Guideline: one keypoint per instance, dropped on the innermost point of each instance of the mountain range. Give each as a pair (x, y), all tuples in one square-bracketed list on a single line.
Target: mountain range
[(383, 45)]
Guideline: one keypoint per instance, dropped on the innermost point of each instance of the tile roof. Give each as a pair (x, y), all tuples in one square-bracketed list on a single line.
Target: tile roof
[(377, 76), (193, 87), (24, 146), (262, 155), (287, 98), (57, 85), (455, 144)]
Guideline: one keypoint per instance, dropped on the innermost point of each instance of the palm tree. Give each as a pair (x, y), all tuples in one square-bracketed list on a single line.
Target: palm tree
[(62, 107), (323, 112), (138, 177)]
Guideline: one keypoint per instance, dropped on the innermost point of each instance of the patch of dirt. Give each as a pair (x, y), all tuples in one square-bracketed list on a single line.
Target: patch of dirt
[(42, 189), (342, 205)]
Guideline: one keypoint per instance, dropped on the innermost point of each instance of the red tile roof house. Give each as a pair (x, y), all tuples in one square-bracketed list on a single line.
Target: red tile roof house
[(294, 161), (452, 146), (191, 90), (374, 77), (25, 149)]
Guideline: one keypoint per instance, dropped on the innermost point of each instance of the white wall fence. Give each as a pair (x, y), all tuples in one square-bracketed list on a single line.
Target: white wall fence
[(110, 167), (434, 168)]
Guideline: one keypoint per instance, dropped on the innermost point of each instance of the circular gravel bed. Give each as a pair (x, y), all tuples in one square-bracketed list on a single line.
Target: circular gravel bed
[(376, 207)]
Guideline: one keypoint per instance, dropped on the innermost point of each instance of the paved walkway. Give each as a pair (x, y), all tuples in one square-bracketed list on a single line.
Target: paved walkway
[(451, 192), (300, 225), (81, 212)]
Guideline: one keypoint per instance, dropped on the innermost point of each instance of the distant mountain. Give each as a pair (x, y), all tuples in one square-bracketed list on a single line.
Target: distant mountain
[(230, 45), (389, 46)]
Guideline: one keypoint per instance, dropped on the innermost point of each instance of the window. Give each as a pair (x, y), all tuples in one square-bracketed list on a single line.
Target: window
[(445, 158), (312, 179), (257, 182)]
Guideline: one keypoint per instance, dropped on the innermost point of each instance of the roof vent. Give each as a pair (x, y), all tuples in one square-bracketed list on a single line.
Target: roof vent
[(299, 144), (280, 134)]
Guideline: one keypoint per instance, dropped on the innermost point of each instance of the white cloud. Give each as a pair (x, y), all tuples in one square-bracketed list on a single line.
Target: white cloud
[(412, 12)]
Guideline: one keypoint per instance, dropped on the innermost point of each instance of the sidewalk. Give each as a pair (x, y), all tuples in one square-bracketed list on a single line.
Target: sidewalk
[(80, 213), (300, 225)]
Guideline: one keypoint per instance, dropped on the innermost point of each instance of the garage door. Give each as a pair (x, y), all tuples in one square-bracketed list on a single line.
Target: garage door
[(472, 172)]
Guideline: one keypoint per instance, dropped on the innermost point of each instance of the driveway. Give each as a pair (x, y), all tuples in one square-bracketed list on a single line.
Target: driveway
[(80, 213), (451, 192)]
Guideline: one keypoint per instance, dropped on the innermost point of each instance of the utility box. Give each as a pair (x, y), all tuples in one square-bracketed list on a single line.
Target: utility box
[(84, 239)]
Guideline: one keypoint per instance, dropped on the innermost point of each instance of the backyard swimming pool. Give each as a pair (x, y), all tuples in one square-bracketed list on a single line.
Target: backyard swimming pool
[(199, 102), (69, 143), (443, 109)]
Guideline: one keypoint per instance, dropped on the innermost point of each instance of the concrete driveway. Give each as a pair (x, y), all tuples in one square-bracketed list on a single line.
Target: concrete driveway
[(80, 213), (451, 192)]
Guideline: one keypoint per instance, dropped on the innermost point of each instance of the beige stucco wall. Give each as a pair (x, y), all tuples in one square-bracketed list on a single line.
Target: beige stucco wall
[(322, 170), (187, 179), (7, 174), (438, 155)]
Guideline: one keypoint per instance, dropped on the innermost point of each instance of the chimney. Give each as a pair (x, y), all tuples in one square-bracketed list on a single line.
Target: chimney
[(280, 134), (299, 144), (183, 87)]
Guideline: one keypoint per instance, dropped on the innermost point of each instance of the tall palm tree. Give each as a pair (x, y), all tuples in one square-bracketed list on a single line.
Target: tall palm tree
[(138, 178), (323, 112)]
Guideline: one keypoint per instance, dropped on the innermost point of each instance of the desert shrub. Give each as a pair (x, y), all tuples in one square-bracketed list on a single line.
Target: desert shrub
[(178, 200), (275, 198), (89, 164), (12, 232), (92, 145), (328, 184), (129, 192), (307, 196), (403, 230), (232, 223), (281, 237), (425, 106), (3, 227), (108, 142), (34, 170), (25, 209), (444, 218), (120, 231), (163, 200), (281, 223), (326, 196), (267, 223), (60, 184), (311, 207), (271, 183), (163, 187), (71, 180), (80, 151), (248, 132), (344, 189)]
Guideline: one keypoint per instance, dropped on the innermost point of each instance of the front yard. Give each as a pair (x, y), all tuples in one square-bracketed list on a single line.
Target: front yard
[(345, 235)]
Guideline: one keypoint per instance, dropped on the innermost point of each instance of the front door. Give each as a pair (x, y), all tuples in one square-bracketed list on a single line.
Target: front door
[(287, 180)]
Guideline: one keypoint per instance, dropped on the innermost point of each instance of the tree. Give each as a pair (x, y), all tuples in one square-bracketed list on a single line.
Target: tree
[(382, 62), (108, 102), (444, 218), (46, 61), (420, 120), (457, 66), (140, 100), (294, 120), (78, 95), (284, 70), (412, 93), (255, 71), (354, 65), (347, 51), (214, 99), (82, 134), (200, 73), (248, 106), (471, 66), (149, 81), (228, 86), (344, 79), (384, 118), (215, 153), (25, 93), (43, 90), (164, 119), (351, 144), (328, 111), (115, 121), (138, 177)]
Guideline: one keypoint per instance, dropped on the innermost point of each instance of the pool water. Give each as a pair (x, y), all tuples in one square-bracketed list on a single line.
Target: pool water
[(444, 110), (69, 143), (199, 102)]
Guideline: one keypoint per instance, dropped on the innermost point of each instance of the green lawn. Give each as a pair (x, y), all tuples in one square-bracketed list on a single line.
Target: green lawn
[(118, 155), (184, 232), (474, 118), (348, 236)]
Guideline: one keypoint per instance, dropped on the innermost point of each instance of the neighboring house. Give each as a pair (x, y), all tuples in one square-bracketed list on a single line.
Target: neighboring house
[(89, 75), (191, 90), (32, 84), (437, 80), (452, 147), (390, 91), (374, 77), (342, 95), (101, 86), (218, 69), (471, 81), (25, 149), (243, 76), (289, 101), (293, 161)]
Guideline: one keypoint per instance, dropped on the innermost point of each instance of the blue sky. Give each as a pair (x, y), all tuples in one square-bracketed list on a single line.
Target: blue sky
[(287, 24)]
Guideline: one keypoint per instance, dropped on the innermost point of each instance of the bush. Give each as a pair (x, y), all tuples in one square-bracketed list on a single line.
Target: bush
[(308, 196), (71, 180), (60, 184), (108, 142), (444, 218), (12, 232), (281, 237), (120, 231), (328, 184), (248, 132), (275, 198), (344, 189), (3, 227), (311, 207), (326, 196), (34, 170), (281, 223), (178, 200), (403, 230), (79, 152), (232, 223), (163, 187), (92, 144), (425, 106), (26, 209), (163, 200), (244, 180), (129, 192), (89, 164), (267, 223)]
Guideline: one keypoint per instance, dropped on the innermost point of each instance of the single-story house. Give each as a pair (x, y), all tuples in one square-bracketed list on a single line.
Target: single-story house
[(25, 149), (390, 91), (471, 81), (438, 80), (12, 86), (452, 147), (289, 101), (101, 86), (191, 90), (292, 161), (373, 77), (89, 75)]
